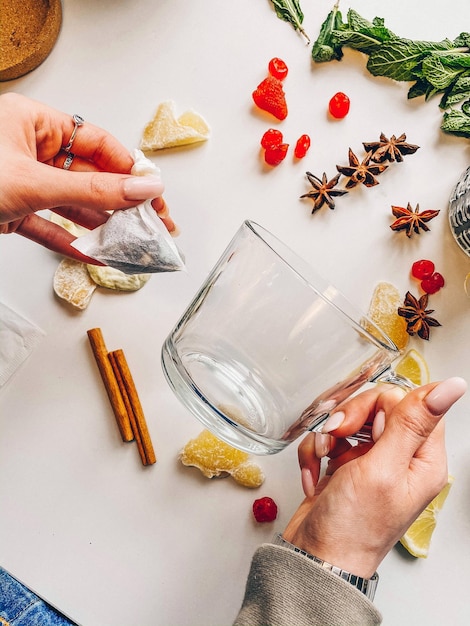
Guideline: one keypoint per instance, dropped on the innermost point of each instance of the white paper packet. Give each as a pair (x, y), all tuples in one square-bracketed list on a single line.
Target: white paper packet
[(18, 338), (134, 240)]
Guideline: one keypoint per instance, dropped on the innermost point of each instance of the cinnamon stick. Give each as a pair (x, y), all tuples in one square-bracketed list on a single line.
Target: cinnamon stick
[(136, 414), (100, 353), (127, 402)]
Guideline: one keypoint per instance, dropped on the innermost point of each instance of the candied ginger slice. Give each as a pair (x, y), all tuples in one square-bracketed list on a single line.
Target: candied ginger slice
[(195, 121), (165, 130), (73, 283), (249, 475), (214, 458), (111, 278), (383, 311)]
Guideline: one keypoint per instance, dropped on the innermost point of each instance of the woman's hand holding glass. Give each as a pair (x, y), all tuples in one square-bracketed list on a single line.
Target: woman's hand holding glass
[(371, 493)]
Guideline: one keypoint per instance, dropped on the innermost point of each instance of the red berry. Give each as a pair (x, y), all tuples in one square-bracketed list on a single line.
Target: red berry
[(276, 153), (339, 105), (433, 283), (422, 269), (269, 96), (265, 509), (271, 137), (302, 146), (277, 68)]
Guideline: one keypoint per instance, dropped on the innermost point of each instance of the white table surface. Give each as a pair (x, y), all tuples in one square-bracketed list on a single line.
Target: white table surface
[(82, 522)]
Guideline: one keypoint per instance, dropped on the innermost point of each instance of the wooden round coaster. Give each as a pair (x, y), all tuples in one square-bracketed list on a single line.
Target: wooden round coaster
[(28, 33)]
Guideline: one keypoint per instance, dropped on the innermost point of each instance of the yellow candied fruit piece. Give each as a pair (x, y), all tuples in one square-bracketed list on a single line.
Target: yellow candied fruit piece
[(73, 284), (383, 311), (249, 475), (165, 130), (215, 458)]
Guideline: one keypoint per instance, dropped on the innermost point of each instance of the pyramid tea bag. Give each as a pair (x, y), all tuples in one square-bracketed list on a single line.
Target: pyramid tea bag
[(133, 240)]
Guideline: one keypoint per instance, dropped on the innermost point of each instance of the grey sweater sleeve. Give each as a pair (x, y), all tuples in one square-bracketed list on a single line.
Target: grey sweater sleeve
[(285, 588)]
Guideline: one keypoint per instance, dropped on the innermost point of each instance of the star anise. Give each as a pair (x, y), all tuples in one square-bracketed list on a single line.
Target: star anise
[(364, 172), (416, 315), (393, 149), (410, 220), (323, 191)]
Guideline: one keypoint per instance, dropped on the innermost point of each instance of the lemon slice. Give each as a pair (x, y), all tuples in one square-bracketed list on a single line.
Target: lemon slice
[(383, 311), (165, 130), (418, 536), (414, 367)]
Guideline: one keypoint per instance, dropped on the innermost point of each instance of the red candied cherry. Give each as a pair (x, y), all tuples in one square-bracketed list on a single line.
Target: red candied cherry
[(274, 154), (433, 283), (339, 105), (265, 509), (277, 68), (302, 146), (422, 269), (272, 137)]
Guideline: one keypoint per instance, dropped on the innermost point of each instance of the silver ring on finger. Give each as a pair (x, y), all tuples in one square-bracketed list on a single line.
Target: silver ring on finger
[(68, 161), (78, 121)]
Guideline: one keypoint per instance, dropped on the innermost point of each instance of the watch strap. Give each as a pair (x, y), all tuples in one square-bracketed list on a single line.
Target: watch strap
[(367, 586)]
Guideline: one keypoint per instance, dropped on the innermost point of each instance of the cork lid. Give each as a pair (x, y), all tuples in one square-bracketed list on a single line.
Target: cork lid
[(28, 32)]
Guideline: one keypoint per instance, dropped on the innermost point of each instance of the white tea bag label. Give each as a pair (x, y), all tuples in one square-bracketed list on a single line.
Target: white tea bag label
[(18, 338)]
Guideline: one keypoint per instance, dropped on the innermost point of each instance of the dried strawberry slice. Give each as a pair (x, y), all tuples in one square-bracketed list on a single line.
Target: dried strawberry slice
[(269, 96), (276, 153), (272, 137)]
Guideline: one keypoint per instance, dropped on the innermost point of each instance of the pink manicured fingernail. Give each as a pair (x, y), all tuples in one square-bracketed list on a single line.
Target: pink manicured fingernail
[(442, 397), (322, 445), (379, 425), (333, 422), (307, 483), (142, 187)]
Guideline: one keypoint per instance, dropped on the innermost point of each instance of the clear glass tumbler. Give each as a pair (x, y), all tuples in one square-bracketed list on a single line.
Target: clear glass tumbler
[(267, 348)]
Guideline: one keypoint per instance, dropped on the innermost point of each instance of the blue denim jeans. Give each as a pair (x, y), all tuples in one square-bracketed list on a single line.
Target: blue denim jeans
[(21, 607)]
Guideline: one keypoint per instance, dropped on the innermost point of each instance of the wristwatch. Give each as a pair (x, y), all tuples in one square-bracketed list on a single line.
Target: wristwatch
[(367, 586)]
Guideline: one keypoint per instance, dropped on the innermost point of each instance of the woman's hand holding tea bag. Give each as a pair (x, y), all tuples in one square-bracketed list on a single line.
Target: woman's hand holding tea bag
[(77, 170)]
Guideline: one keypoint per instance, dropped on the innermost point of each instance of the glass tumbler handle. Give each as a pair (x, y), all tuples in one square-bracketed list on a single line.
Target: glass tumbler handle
[(364, 435)]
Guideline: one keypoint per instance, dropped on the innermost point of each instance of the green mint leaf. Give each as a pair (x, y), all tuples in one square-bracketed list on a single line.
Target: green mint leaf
[(418, 89), (363, 42), (360, 34), (325, 47), (456, 123), (437, 73), (460, 90), (290, 11), (463, 40), (422, 88), (400, 59), (449, 100), (455, 59), (358, 23), (375, 29)]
